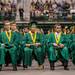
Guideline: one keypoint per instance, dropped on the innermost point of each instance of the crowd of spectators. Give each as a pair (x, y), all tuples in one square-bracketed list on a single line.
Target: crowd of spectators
[(49, 10), (7, 11)]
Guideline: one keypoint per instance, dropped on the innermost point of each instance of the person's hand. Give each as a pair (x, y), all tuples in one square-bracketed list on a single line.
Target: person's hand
[(27, 45), (61, 45), (2, 45), (37, 44), (54, 44)]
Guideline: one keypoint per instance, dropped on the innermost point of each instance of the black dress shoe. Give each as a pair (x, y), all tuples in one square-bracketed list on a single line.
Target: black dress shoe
[(6, 65), (14, 68), (52, 68), (0, 67), (19, 65), (66, 68), (25, 66)]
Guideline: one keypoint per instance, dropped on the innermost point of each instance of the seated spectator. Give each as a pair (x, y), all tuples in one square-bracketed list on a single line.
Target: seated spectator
[(46, 7), (21, 12), (7, 11)]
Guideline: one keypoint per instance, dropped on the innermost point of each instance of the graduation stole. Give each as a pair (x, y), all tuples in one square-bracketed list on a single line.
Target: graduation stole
[(57, 38), (8, 35), (33, 37)]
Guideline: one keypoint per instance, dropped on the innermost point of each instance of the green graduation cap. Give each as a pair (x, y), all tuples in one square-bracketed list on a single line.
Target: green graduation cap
[(33, 25)]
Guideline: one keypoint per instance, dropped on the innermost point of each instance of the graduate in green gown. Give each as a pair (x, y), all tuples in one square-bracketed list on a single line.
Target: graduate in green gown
[(19, 42), (73, 45), (73, 48), (25, 31), (33, 48), (68, 40), (46, 38), (9, 44), (2, 58), (57, 48)]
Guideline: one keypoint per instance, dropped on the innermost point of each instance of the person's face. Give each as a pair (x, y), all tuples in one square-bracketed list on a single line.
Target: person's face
[(73, 30), (48, 32), (13, 27), (46, 1), (25, 30), (7, 27), (58, 29), (68, 31), (38, 30), (33, 30)]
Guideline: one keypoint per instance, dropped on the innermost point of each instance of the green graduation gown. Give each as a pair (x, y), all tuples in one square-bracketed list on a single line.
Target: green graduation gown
[(73, 47), (2, 61), (9, 46), (19, 42), (32, 50), (46, 43), (54, 53), (68, 43), (68, 40)]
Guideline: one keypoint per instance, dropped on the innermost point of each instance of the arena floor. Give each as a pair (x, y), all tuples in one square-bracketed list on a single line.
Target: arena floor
[(34, 70)]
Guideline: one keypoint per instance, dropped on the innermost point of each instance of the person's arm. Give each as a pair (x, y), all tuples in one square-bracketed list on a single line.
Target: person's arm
[(49, 40), (24, 41), (63, 41)]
